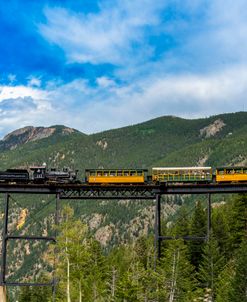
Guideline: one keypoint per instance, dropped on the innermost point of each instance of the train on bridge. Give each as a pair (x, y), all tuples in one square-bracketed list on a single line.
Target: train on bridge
[(158, 175)]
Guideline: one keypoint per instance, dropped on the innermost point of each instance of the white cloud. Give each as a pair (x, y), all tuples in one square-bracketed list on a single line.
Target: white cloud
[(93, 109), (34, 82), (12, 92), (105, 82), (187, 95), (205, 74), (105, 37)]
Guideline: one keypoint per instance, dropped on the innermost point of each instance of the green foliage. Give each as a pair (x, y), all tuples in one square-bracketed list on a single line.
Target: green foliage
[(179, 272), (211, 265), (108, 275), (239, 282), (197, 228), (36, 294), (224, 284)]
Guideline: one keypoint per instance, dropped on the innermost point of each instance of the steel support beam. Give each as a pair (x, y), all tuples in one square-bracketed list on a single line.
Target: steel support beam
[(209, 217), (157, 230), (4, 239), (189, 238)]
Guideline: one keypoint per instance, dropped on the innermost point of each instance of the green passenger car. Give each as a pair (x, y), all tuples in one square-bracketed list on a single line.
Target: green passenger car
[(182, 174)]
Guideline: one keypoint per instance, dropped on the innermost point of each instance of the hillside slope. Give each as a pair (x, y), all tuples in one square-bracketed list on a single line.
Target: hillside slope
[(216, 140), (165, 141)]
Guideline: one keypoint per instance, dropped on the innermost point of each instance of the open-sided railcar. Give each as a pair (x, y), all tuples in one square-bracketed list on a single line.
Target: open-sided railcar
[(182, 174)]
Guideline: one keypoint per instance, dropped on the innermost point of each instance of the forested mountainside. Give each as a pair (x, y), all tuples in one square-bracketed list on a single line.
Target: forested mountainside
[(210, 270), (217, 140), (165, 141)]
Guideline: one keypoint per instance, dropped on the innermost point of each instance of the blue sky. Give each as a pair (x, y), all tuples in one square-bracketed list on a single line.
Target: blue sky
[(97, 65)]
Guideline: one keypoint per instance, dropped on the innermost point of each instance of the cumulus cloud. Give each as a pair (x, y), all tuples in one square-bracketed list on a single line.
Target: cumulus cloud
[(35, 82), (204, 72), (104, 37), (12, 92), (86, 108), (187, 95)]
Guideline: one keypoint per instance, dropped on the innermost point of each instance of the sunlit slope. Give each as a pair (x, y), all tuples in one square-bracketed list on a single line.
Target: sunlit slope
[(216, 140)]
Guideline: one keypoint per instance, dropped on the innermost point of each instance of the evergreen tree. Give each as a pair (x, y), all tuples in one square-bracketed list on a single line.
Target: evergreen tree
[(25, 294), (130, 286), (198, 228), (182, 224), (224, 284), (211, 265), (179, 273), (239, 282), (220, 227), (237, 222)]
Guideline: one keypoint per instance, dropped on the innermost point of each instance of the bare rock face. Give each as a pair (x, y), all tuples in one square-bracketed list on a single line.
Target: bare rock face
[(29, 134), (104, 234), (212, 129)]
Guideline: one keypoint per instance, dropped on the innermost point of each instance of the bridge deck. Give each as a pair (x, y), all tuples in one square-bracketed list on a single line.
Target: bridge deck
[(85, 191)]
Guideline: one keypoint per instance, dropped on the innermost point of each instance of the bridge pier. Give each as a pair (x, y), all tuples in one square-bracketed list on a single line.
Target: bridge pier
[(7, 237), (4, 239), (209, 217), (157, 229)]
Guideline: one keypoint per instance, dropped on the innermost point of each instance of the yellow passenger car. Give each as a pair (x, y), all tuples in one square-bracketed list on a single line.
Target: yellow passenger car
[(115, 176), (231, 174)]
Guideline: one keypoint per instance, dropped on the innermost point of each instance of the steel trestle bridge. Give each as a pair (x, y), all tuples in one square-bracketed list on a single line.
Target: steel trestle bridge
[(85, 191)]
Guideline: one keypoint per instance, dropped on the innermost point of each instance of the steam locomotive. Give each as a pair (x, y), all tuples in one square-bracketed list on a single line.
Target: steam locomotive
[(38, 174)]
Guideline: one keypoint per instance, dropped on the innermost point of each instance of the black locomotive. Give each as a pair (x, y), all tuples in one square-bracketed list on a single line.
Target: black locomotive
[(38, 174)]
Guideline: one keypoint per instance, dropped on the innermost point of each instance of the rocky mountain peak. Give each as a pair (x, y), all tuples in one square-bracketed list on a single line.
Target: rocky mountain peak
[(29, 134)]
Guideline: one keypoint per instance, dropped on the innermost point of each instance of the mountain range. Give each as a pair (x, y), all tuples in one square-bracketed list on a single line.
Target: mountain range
[(165, 141)]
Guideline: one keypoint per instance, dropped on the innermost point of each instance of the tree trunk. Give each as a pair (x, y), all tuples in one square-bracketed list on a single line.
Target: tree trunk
[(174, 276), (3, 297), (113, 281), (80, 295), (68, 267)]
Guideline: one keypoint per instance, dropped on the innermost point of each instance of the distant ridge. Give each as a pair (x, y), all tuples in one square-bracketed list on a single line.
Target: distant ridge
[(29, 134), (164, 141)]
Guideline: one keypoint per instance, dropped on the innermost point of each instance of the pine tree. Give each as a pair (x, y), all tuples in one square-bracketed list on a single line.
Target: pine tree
[(211, 265), (220, 227), (25, 294), (179, 273), (198, 228), (130, 286), (239, 282), (182, 224), (224, 284), (237, 218)]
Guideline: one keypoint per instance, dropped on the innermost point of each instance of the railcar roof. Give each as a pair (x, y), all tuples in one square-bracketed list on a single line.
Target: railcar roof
[(116, 169), (180, 168), (234, 167)]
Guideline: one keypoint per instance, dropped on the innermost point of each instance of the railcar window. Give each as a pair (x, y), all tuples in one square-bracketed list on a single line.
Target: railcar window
[(112, 173), (92, 173), (105, 173), (140, 173), (99, 173), (132, 173), (126, 173), (119, 173)]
